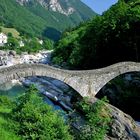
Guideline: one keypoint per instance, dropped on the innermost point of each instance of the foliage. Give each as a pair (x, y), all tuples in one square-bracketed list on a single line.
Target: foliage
[(9, 34), (97, 120), (107, 39), (12, 43), (48, 44), (5, 108), (35, 120), (30, 118), (124, 93), (33, 19), (5, 101), (31, 45)]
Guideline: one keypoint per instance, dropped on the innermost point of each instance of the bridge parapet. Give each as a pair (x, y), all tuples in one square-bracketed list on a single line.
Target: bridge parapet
[(86, 82)]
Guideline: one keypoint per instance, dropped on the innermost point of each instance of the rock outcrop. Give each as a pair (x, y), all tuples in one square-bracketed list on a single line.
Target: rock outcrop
[(123, 127), (123, 92), (53, 5)]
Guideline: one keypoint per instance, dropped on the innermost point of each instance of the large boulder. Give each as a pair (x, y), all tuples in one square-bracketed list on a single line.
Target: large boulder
[(11, 52), (123, 127)]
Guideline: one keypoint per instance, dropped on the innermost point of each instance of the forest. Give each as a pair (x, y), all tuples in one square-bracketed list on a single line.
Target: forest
[(29, 117), (102, 41)]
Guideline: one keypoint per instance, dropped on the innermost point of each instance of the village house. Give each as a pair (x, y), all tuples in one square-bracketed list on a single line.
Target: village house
[(21, 43), (3, 39)]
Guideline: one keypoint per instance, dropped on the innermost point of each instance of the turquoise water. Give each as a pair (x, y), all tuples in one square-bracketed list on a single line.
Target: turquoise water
[(14, 90)]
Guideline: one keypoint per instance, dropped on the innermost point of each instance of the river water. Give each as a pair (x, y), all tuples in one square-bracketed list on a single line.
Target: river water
[(13, 90)]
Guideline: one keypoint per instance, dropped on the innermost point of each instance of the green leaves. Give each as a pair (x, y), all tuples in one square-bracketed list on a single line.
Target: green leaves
[(36, 120), (34, 19), (104, 40), (97, 120)]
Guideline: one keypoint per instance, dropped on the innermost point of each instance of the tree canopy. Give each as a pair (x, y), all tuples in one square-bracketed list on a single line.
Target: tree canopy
[(106, 39), (33, 119)]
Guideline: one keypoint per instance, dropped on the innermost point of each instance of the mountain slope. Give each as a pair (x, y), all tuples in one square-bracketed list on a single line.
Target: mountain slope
[(39, 17), (105, 40)]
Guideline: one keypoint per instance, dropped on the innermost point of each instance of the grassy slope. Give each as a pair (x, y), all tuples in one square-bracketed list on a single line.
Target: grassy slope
[(14, 32)]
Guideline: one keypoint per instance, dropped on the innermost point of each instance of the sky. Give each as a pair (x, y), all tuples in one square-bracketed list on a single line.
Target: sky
[(99, 6)]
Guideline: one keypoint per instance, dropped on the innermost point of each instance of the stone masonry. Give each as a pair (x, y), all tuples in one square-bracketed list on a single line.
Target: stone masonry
[(86, 83)]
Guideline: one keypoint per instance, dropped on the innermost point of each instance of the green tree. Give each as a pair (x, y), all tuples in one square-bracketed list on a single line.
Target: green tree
[(97, 119), (48, 44), (33, 119), (104, 40), (10, 34), (12, 43)]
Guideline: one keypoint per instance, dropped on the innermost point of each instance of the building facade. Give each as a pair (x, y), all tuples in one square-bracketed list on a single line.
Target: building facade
[(3, 39)]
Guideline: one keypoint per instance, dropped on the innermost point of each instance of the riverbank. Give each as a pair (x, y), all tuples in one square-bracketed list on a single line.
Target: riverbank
[(61, 96), (55, 90), (9, 58)]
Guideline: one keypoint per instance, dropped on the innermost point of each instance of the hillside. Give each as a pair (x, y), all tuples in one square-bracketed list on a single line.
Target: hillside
[(14, 32), (107, 39), (33, 17)]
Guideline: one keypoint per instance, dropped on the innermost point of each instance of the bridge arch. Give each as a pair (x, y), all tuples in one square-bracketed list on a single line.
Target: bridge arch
[(86, 83), (25, 70), (123, 92), (111, 72)]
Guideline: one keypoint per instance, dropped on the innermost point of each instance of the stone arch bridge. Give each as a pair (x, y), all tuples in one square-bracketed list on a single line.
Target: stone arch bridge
[(86, 82)]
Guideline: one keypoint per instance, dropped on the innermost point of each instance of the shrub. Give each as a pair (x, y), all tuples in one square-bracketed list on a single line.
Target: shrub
[(97, 120), (33, 119)]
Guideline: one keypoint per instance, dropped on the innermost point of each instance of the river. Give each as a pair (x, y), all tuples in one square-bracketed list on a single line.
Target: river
[(54, 92), (12, 89)]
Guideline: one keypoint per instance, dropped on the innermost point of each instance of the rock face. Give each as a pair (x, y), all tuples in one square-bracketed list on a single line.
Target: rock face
[(123, 127), (22, 2), (62, 6), (123, 92), (55, 90), (56, 6)]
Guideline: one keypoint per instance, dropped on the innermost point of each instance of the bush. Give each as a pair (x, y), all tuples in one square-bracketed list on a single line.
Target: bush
[(33, 119), (97, 120), (5, 101), (48, 44)]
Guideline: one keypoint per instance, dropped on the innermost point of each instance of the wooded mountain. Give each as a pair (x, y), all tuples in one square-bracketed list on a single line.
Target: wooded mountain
[(43, 17), (105, 40)]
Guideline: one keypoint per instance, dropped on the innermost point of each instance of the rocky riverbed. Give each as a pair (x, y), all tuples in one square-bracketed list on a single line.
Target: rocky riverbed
[(123, 126), (9, 58), (55, 90)]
